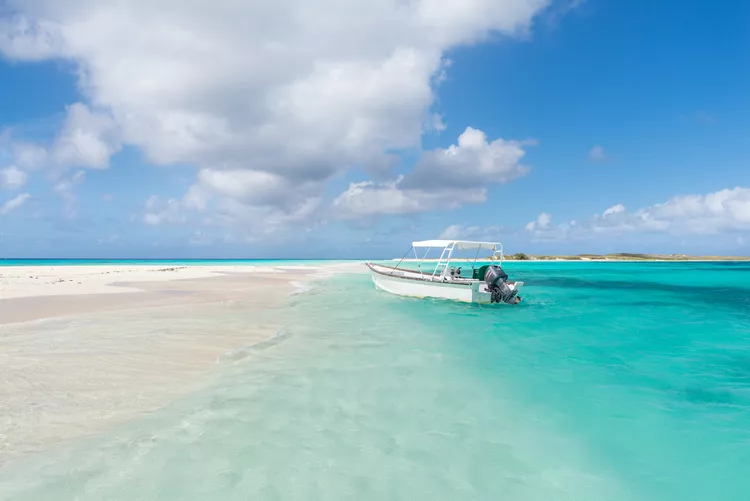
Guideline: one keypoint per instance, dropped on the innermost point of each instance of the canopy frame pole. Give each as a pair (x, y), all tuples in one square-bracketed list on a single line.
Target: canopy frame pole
[(425, 253), (419, 261), (473, 265), (399, 262)]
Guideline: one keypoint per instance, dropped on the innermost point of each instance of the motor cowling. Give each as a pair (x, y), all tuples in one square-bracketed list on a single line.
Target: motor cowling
[(496, 279)]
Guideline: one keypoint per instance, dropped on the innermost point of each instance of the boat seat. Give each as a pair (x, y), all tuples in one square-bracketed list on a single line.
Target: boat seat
[(479, 272)]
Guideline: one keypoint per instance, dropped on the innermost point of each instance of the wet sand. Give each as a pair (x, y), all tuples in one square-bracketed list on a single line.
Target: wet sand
[(101, 353)]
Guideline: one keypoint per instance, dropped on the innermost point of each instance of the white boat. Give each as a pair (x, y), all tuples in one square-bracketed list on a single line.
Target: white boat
[(486, 284)]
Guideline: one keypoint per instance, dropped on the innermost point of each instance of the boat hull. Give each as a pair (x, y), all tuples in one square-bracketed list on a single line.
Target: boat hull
[(468, 293), (414, 284)]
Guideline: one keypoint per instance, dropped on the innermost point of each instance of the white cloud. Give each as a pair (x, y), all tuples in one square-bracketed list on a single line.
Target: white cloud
[(368, 199), (456, 231), (86, 139), (442, 179), (574, 4), (460, 232), (12, 178), (472, 162), (247, 86), (542, 222), (29, 156), (254, 187), (542, 229), (23, 39), (247, 221), (14, 203), (65, 188), (596, 154), (255, 223), (723, 211), (615, 209), (436, 123), (158, 211)]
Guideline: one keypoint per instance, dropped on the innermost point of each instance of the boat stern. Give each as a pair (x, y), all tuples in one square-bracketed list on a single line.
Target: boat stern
[(480, 293)]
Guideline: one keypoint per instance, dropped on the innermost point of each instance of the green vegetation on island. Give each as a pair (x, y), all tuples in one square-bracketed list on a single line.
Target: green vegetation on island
[(622, 256)]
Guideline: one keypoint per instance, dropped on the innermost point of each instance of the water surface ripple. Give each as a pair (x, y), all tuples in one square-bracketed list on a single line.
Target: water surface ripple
[(610, 382)]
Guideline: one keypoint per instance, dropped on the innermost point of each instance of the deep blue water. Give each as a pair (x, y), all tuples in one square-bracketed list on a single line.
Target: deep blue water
[(610, 382)]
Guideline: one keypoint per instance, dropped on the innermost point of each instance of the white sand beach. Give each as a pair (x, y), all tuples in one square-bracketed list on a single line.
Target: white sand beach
[(83, 348), (35, 281)]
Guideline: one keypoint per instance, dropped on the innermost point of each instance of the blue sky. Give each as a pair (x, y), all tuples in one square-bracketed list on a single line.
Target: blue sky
[(154, 130)]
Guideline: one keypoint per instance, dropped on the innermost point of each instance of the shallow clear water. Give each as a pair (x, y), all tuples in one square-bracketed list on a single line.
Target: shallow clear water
[(612, 381)]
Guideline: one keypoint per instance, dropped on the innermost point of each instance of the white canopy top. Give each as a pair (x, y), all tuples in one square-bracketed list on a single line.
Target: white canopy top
[(460, 244)]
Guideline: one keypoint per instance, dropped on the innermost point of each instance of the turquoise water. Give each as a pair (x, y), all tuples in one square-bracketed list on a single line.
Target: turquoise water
[(612, 381)]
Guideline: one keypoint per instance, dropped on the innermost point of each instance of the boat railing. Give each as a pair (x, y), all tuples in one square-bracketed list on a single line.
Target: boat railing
[(446, 255), (444, 261)]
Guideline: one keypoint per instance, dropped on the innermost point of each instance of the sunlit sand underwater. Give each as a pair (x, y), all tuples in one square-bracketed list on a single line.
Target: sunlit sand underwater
[(611, 381)]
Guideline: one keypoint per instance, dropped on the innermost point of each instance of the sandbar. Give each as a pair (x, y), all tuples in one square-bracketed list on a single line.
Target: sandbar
[(84, 348)]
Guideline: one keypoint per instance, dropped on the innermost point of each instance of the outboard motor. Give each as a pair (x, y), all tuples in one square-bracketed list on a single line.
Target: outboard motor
[(496, 280)]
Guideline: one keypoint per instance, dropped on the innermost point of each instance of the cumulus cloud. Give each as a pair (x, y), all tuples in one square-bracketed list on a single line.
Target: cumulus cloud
[(441, 179), (368, 199), (596, 154), (254, 187), (260, 223), (14, 203), (248, 86), (472, 162), (543, 230), (158, 211), (247, 222), (87, 139), (615, 209), (541, 223), (12, 178), (723, 211), (462, 232), (720, 211), (28, 155)]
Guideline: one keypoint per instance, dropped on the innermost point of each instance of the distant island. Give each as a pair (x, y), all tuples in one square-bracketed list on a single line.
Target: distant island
[(622, 256)]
